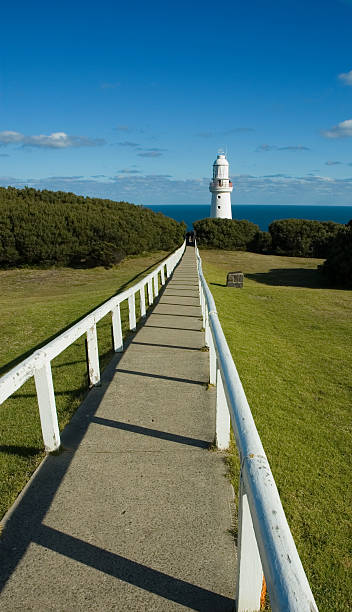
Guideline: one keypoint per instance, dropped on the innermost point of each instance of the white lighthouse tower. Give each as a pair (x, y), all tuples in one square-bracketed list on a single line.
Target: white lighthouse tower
[(221, 188)]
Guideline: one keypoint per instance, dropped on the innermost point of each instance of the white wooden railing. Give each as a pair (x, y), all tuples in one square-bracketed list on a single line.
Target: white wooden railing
[(265, 542), (39, 363)]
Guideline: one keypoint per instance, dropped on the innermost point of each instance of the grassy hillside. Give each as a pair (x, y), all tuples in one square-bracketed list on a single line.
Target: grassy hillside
[(35, 306), (291, 336)]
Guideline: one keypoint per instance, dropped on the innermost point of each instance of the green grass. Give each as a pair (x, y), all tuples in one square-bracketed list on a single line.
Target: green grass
[(36, 305), (291, 339)]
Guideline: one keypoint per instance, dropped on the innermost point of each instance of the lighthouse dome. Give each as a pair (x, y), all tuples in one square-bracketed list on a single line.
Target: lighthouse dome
[(221, 160)]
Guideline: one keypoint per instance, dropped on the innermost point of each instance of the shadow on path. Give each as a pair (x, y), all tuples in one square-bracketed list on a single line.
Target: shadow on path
[(142, 576), (154, 433)]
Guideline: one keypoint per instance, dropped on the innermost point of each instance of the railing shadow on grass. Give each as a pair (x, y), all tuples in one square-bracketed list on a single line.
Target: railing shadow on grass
[(291, 277), (20, 451), (11, 364), (288, 277)]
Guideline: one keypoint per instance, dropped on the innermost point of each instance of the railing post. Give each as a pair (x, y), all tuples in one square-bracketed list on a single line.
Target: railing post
[(207, 328), (117, 329), (156, 284), (212, 360), (47, 408), (150, 292), (203, 306), (162, 273), (142, 300), (132, 311), (249, 567), (93, 356), (222, 415)]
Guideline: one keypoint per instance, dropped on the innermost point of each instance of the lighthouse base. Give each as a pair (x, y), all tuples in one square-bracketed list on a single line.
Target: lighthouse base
[(220, 205)]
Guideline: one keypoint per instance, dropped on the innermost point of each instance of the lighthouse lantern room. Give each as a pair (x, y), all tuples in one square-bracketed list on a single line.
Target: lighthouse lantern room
[(221, 188)]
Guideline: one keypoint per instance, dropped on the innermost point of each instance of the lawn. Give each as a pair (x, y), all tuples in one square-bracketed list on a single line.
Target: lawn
[(36, 305), (291, 337)]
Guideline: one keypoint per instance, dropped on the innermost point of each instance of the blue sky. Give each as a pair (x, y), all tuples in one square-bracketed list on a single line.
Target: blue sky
[(133, 100)]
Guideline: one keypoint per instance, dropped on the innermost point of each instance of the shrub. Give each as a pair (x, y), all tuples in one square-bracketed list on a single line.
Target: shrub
[(302, 237), (261, 243), (228, 234), (338, 266), (46, 227)]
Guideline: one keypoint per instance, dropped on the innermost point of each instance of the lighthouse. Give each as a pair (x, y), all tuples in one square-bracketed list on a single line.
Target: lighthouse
[(221, 188)]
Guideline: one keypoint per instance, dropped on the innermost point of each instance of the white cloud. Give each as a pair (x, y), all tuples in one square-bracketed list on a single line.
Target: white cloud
[(128, 143), (9, 137), (267, 147), (341, 130), (164, 189), (150, 154), (346, 77), (225, 132), (56, 140), (107, 85), (153, 152)]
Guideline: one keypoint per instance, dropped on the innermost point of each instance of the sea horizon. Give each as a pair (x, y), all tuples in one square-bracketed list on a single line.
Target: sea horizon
[(261, 214)]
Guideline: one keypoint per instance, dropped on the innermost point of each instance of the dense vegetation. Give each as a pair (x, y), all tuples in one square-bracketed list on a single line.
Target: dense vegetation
[(338, 266), (227, 234), (303, 237), (293, 237), (58, 228)]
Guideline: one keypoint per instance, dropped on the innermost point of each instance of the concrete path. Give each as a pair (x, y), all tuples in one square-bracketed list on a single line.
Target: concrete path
[(135, 513)]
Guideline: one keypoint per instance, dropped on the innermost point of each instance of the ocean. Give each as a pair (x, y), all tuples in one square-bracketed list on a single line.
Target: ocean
[(261, 214)]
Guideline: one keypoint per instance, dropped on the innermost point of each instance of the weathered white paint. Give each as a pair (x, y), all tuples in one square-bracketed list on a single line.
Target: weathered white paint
[(202, 303), (249, 566), (47, 407), (93, 356), (142, 301), (156, 284), (207, 327), (162, 273), (117, 329), (212, 360), (287, 583), (132, 311), (221, 188), (38, 364), (222, 415), (150, 292)]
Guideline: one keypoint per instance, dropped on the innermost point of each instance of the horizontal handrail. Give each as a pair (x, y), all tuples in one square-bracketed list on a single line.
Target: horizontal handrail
[(39, 361), (288, 586)]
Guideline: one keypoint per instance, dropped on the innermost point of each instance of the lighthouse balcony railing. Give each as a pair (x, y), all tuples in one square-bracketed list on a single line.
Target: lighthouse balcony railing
[(265, 543), (38, 365), (225, 184)]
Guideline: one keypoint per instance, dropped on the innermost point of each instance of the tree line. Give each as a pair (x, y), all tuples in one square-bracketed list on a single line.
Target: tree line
[(64, 229)]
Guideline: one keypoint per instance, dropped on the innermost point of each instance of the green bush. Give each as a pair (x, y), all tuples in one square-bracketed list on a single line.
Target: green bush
[(261, 243), (46, 228), (338, 266), (302, 237), (228, 234)]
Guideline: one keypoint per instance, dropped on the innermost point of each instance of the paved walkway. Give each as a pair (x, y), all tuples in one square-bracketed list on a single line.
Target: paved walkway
[(135, 514)]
